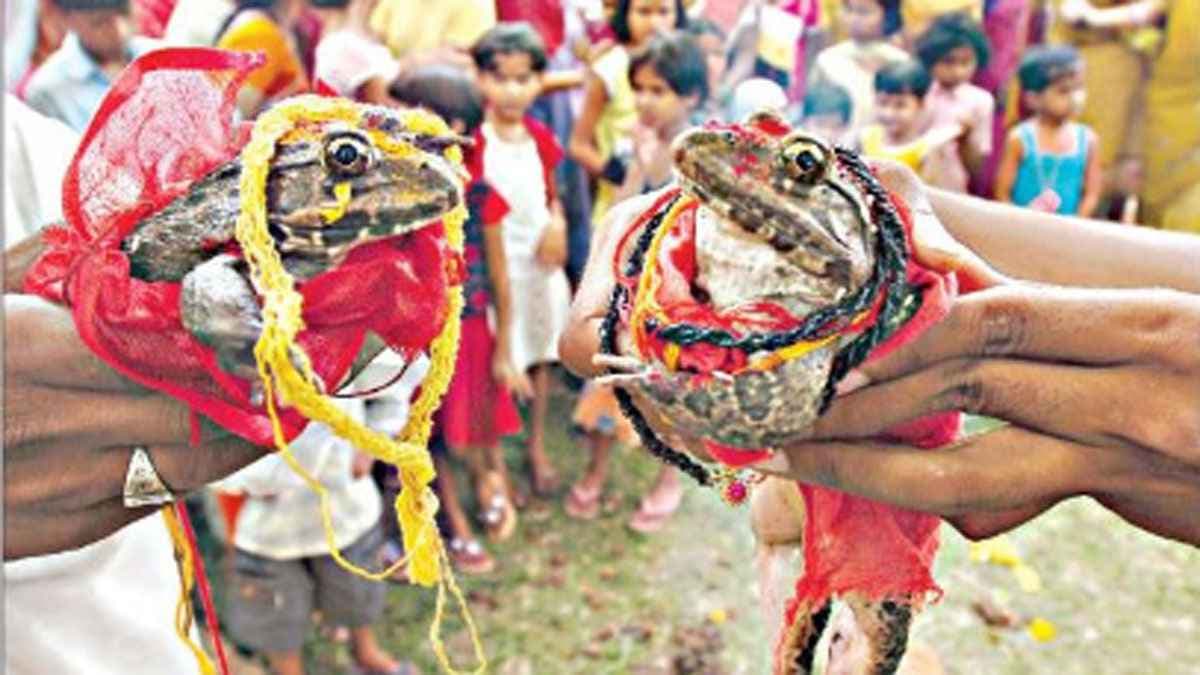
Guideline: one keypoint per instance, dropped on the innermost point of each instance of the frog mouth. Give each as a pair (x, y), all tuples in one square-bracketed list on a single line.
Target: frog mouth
[(337, 238)]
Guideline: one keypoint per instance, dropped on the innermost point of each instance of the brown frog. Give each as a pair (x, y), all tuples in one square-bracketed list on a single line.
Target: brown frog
[(787, 219), (328, 190)]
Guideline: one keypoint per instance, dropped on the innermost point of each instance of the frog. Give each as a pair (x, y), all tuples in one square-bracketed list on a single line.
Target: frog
[(783, 217), (313, 227)]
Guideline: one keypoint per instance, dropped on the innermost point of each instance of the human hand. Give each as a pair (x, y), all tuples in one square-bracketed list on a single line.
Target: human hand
[(515, 381), (552, 247), (1071, 371), (70, 422), (361, 465)]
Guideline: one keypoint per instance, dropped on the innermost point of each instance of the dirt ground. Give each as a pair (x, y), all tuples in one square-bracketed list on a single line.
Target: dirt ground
[(596, 598)]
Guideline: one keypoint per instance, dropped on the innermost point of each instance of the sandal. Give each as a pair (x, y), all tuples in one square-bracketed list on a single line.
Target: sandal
[(497, 515), (649, 520), (580, 505), (469, 556)]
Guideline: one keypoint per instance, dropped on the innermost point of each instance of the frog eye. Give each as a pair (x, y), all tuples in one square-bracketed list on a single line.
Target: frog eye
[(347, 155), (806, 161)]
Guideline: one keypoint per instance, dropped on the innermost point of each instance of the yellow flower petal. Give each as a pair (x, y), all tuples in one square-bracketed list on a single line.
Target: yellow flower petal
[(998, 551), (1042, 630), (718, 616)]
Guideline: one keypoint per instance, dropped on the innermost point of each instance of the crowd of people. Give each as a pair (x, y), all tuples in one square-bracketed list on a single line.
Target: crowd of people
[(572, 106)]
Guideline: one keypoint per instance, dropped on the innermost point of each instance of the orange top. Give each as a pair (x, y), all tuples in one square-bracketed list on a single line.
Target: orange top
[(282, 71)]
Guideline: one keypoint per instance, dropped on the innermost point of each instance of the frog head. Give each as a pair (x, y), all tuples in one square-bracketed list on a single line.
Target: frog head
[(335, 184), (785, 187)]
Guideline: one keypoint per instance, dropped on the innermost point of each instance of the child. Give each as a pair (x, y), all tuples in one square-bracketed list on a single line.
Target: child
[(826, 112), (952, 49), (74, 79), (670, 81), (477, 409), (1050, 162), (900, 90), (852, 64), (518, 156), (348, 58), (600, 141), (282, 569)]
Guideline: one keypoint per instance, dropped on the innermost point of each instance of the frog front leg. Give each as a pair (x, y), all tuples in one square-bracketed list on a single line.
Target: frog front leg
[(219, 307)]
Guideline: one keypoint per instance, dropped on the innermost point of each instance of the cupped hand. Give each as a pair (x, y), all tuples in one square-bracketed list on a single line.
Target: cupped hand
[(69, 425), (1100, 389)]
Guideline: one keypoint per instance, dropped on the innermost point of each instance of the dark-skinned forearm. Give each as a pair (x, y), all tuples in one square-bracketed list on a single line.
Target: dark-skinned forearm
[(1070, 251)]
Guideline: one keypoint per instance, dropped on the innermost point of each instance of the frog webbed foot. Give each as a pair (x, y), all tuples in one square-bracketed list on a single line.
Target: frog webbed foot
[(220, 308)]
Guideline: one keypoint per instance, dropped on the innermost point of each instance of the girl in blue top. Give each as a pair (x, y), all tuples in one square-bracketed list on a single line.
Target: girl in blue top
[(1051, 162)]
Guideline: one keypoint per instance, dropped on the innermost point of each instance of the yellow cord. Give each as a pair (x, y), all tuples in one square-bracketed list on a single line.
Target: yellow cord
[(187, 580), (416, 504)]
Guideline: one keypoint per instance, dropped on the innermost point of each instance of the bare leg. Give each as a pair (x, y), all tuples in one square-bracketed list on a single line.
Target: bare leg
[(460, 527), (286, 663), (600, 448), (368, 653), (545, 479)]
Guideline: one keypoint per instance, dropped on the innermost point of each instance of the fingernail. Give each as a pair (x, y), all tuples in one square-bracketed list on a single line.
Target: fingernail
[(776, 463), (855, 379)]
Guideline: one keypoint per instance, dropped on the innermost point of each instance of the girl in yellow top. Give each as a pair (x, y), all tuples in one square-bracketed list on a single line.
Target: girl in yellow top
[(897, 134), (265, 26), (601, 141)]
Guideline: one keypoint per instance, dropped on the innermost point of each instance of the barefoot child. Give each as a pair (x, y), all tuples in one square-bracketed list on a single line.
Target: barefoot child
[(282, 568), (1051, 162), (518, 155)]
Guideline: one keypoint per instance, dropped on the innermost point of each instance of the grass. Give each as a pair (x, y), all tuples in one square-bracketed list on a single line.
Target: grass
[(596, 598)]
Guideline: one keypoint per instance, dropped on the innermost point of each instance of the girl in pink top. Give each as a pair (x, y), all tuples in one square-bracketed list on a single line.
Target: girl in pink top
[(953, 48)]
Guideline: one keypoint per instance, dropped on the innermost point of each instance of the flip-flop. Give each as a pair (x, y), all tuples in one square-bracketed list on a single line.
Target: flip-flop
[(647, 521), (580, 506), (469, 556)]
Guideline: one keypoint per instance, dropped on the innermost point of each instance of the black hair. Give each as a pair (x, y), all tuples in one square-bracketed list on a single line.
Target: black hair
[(825, 98), (949, 32), (447, 91), (620, 19), (892, 20), (330, 4), (1042, 65), (699, 27), (903, 77), (677, 59), (510, 37)]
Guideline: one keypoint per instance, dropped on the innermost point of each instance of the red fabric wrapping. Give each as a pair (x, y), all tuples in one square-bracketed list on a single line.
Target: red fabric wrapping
[(166, 123)]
